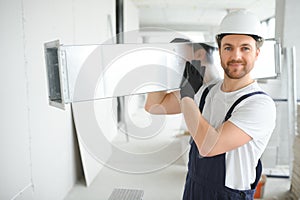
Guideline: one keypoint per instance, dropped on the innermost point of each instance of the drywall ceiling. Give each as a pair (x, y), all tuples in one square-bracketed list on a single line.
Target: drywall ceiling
[(195, 15)]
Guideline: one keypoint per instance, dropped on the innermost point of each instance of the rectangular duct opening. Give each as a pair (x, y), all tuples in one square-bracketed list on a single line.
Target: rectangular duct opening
[(53, 74)]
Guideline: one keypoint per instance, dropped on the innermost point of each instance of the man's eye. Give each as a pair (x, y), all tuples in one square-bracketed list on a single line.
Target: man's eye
[(246, 49), (227, 48)]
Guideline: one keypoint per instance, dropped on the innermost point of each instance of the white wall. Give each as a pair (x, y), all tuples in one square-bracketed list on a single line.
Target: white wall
[(38, 148), (131, 22), (131, 16), (15, 174), (287, 31), (291, 31)]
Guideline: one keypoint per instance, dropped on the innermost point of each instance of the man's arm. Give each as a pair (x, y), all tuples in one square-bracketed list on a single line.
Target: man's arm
[(163, 103), (169, 103), (211, 141)]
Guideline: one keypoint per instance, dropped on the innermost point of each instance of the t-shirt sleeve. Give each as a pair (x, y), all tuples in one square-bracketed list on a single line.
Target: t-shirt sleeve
[(256, 116)]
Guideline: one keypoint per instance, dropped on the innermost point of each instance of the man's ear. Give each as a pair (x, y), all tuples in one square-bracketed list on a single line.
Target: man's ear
[(257, 53)]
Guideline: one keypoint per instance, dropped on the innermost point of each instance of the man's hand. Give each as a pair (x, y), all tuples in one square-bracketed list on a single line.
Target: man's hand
[(192, 79)]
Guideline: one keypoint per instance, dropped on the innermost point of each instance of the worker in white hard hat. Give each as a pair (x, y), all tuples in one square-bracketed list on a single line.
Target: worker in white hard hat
[(234, 120)]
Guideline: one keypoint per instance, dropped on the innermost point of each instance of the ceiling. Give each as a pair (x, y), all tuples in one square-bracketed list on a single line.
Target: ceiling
[(196, 15)]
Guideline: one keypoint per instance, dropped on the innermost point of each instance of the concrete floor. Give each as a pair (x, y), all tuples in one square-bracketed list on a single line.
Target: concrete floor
[(166, 180), (165, 183)]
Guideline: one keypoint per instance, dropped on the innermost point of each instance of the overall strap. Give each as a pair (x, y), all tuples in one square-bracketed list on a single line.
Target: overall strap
[(228, 115), (203, 97), (258, 169)]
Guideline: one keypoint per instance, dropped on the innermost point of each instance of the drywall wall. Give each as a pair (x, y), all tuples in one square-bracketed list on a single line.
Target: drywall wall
[(291, 32), (285, 31), (38, 144), (131, 16), (15, 172)]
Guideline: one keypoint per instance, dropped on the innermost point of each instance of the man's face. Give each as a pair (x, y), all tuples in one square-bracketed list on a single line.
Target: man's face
[(238, 54)]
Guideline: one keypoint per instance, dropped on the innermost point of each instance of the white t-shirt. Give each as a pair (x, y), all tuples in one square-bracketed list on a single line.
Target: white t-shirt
[(255, 115)]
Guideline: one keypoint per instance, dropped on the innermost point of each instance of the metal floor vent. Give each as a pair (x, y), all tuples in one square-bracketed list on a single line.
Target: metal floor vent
[(126, 194)]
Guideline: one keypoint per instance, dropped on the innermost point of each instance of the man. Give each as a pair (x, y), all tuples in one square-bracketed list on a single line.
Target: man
[(234, 121)]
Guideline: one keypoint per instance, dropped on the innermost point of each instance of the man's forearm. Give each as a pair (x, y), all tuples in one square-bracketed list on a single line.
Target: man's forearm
[(163, 103), (204, 135)]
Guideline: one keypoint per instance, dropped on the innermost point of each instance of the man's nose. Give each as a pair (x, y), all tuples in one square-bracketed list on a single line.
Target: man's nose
[(236, 54)]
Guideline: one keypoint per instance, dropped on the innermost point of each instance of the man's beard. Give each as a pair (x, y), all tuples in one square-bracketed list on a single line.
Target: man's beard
[(231, 73)]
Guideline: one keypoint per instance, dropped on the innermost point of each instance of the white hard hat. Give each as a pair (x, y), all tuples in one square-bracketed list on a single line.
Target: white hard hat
[(241, 22)]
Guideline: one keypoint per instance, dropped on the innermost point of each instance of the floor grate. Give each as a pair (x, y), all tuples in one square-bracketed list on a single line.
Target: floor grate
[(126, 194)]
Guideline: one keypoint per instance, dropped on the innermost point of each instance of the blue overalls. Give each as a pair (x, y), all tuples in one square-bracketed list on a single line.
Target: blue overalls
[(206, 175)]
